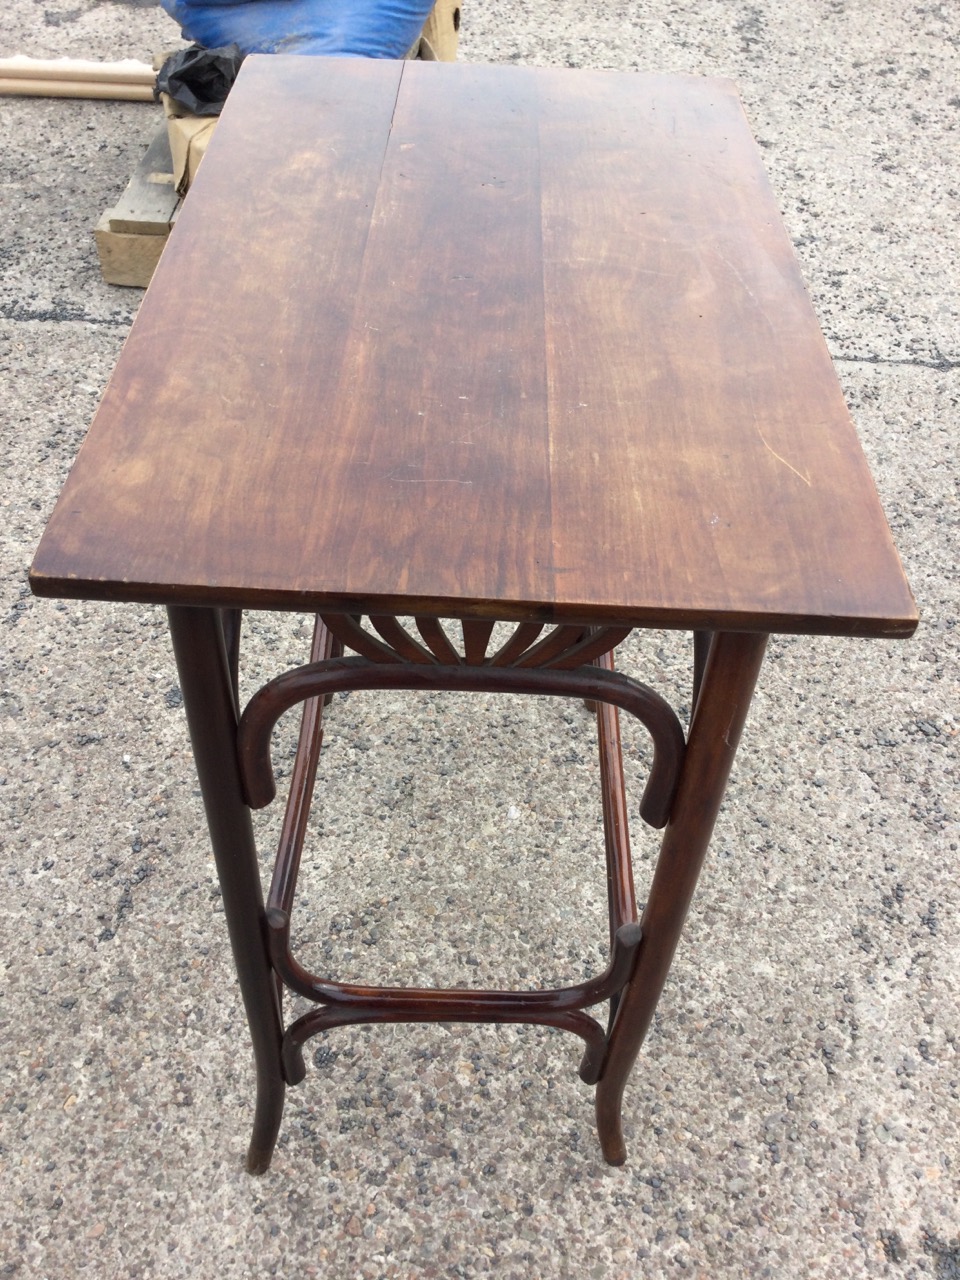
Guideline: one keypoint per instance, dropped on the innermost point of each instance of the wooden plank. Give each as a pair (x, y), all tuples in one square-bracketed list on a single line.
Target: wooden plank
[(147, 205), (698, 430), (436, 422)]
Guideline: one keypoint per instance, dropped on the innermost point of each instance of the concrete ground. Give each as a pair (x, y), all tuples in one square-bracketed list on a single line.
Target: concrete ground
[(796, 1110)]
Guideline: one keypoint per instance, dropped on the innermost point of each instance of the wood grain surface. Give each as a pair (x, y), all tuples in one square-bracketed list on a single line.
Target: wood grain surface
[(480, 341)]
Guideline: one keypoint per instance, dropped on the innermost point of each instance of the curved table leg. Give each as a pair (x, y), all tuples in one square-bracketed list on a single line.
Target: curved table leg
[(207, 684), (729, 676)]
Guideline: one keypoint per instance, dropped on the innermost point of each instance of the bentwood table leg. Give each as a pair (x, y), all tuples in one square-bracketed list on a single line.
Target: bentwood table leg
[(206, 682), (729, 676)]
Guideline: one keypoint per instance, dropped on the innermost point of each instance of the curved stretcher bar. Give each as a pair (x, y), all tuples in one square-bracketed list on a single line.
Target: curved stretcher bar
[(347, 1003), (590, 683)]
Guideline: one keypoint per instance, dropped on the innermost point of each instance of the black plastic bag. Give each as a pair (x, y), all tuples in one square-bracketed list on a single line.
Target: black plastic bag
[(199, 79)]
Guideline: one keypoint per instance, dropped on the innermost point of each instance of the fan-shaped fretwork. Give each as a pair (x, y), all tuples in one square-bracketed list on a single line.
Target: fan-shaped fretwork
[(561, 649)]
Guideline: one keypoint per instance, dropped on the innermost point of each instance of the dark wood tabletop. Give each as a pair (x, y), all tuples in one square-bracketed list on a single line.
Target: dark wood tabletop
[(480, 341)]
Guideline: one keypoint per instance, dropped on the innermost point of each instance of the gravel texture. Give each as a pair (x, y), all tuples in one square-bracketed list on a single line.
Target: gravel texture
[(796, 1110)]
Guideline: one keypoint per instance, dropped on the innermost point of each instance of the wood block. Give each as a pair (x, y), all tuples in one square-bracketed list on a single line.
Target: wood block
[(124, 258), (148, 204)]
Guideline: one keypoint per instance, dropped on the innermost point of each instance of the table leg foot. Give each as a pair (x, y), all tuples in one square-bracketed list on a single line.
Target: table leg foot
[(610, 1129), (266, 1126)]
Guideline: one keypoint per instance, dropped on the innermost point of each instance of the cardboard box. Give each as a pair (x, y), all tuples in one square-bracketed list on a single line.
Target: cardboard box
[(441, 32), (189, 136)]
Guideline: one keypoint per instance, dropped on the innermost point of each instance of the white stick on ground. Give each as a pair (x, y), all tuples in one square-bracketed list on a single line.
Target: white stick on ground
[(77, 78)]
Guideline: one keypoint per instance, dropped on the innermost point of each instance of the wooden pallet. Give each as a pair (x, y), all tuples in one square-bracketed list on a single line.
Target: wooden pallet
[(130, 236)]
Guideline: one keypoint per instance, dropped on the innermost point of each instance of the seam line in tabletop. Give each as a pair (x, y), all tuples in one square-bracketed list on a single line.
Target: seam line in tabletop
[(549, 406), (389, 137)]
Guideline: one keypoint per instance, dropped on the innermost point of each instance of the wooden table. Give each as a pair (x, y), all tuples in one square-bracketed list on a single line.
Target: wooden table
[(475, 343)]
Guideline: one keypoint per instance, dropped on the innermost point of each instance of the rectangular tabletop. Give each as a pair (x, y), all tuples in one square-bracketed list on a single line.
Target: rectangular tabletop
[(480, 341)]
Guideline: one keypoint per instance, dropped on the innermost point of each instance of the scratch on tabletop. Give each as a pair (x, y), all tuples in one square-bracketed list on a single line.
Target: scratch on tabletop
[(766, 444)]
